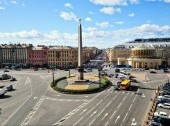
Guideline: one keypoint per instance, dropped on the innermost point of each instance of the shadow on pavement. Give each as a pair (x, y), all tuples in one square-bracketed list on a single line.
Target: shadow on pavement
[(133, 88), (147, 88), (5, 96)]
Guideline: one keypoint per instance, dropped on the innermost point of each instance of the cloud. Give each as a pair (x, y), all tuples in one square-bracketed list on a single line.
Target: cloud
[(103, 24), (68, 16), (110, 2), (13, 2), (88, 19), (134, 1), (2, 8), (119, 22), (101, 38), (131, 15), (110, 10), (167, 1), (68, 5)]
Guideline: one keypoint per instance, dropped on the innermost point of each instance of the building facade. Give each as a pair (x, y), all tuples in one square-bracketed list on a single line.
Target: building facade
[(37, 57), (62, 57), (14, 54)]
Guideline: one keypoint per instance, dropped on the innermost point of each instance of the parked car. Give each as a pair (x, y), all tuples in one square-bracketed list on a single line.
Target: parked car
[(152, 71), (2, 92), (152, 123), (160, 114), (13, 79), (9, 88), (6, 70), (164, 105), (117, 70)]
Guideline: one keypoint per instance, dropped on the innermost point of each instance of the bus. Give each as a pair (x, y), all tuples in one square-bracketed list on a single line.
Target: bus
[(125, 84)]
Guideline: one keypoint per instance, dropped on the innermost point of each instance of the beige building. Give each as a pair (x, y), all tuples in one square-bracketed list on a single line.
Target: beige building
[(62, 56), (114, 53), (142, 57)]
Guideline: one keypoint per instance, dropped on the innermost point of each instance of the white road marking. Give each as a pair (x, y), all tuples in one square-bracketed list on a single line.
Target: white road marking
[(35, 98), (16, 111), (113, 114), (28, 81), (83, 111), (93, 113), (99, 102), (106, 124), (92, 122), (78, 121), (125, 117), (105, 116), (86, 96), (119, 105), (117, 118), (130, 107)]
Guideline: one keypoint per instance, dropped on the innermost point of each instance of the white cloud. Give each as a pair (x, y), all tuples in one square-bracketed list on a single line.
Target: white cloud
[(88, 19), (101, 38), (68, 5), (110, 2), (68, 16), (110, 10), (13, 2), (2, 8), (119, 22), (103, 24), (23, 4), (134, 1), (131, 15), (167, 1)]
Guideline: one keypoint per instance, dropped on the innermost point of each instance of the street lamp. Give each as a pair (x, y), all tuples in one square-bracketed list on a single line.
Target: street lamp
[(69, 70), (99, 70), (53, 69)]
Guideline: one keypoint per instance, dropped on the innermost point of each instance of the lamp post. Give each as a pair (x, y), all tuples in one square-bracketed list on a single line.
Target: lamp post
[(99, 69), (69, 70), (53, 69)]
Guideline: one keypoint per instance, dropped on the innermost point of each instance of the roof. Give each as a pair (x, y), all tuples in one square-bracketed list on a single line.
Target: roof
[(125, 82), (143, 47)]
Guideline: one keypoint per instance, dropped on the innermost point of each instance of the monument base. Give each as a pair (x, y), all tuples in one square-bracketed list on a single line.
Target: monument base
[(81, 81)]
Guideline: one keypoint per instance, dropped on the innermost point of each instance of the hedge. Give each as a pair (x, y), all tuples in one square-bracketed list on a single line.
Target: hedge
[(104, 84)]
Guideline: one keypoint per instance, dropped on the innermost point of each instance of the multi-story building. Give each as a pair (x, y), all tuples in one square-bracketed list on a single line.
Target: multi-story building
[(117, 52), (37, 56), (14, 54), (62, 56)]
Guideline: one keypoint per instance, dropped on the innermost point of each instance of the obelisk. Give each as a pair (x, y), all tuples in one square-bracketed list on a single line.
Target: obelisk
[(80, 65)]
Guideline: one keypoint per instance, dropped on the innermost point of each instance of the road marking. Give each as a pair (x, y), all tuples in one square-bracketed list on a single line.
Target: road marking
[(133, 122), (99, 102), (86, 96), (93, 113), (82, 105), (90, 110), (119, 105), (28, 81), (117, 118), (106, 124), (130, 107), (125, 117), (78, 121), (105, 116), (83, 111), (134, 98), (16, 111), (92, 122), (35, 98), (113, 114)]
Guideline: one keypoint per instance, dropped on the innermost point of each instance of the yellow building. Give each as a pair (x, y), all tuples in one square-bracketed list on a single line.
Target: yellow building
[(142, 57), (62, 56)]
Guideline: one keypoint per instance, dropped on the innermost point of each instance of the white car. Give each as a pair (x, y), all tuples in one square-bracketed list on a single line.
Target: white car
[(164, 105), (160, 114), (2, 92)]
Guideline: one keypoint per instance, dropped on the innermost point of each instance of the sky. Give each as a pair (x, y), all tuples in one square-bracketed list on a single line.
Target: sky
[(105, 23)]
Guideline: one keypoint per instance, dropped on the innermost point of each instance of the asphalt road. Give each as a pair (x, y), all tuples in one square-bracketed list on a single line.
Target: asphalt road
[(35, 103)]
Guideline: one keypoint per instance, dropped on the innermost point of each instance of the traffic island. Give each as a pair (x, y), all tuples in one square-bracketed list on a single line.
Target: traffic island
[(89, 85)]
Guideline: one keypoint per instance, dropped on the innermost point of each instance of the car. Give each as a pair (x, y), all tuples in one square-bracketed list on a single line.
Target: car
[(6, 70), (152, 123), (117, 70), (160, 114), (13, 79), (164, 105), (152, 71), (2, 92), (9, 88)]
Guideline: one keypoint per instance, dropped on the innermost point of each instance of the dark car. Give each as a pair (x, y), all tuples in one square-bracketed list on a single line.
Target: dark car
[(152, 71), (117, 70), (9, 88), (13, 79), (6, 70)]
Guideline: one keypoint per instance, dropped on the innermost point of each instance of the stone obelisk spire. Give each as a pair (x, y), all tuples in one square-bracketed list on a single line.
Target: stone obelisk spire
[(80, 49)]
